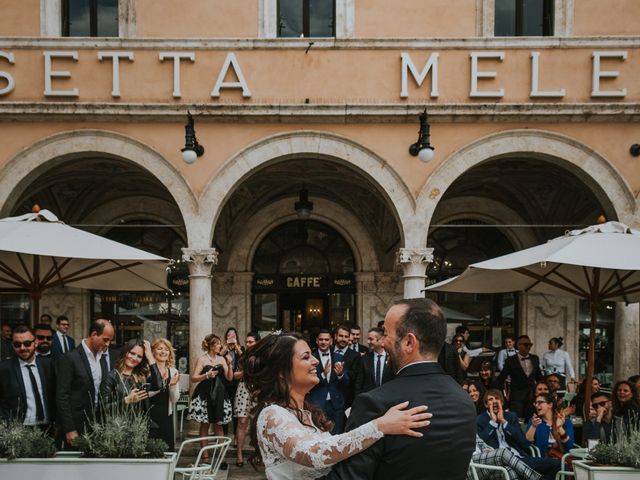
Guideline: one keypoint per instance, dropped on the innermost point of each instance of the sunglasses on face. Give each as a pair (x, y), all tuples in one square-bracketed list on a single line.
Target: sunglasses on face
[(599, 404), (43, 337), (527, 344), (539, 402), (26, 343)]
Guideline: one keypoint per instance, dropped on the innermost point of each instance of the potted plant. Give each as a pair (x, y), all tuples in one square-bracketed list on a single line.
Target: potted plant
[(116, 446), (617, 459)]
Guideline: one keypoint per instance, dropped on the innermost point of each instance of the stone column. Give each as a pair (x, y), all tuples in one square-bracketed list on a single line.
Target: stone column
[(200, 261), (414, 263), (626, 358)]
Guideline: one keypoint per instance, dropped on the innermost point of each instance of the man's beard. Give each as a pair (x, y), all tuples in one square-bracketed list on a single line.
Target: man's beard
[(43, 349), (394, 359)]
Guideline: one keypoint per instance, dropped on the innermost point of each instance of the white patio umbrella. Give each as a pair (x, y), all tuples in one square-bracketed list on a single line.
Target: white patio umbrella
[(39, 252), (598, 263)]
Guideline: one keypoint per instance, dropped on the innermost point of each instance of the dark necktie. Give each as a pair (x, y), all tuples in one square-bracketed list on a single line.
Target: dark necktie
[(379, 370), (65, 345), (36, 394), (104, 365)]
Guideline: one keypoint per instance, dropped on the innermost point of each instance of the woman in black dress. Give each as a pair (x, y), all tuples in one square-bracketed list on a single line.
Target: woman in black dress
[(210, 404), (163, 401)]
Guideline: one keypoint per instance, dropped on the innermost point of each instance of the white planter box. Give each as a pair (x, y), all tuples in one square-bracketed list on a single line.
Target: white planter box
[(70, 466), (586, 471)]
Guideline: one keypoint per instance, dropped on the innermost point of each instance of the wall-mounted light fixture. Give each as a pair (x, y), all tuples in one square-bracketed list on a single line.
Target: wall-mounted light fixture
[(303, 206), (192, 149), (635, 150), (422, 148)]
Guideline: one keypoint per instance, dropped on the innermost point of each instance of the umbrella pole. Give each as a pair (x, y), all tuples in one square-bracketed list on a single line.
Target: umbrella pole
[(35, 305), (591, 356)]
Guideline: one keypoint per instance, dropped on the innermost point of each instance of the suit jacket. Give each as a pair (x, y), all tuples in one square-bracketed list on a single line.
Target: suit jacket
[(353, 365), (6, 350), (445, 449), (318, 394), (361, 349), (56, 347), (75, 390), (13, 396), (520, 382), (513, 434), (367, 380)]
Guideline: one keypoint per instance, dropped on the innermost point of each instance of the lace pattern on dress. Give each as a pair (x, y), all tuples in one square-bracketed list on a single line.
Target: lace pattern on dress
[(282, 437)]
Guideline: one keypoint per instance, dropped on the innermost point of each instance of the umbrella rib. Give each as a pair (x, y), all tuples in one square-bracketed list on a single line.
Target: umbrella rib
[(543, 276), (71, 278), (13, 279), (633, 288), (140, 276), (77, 275), (55, 270), (586, 276), (570, 282), (24, 267), (553, 283), (608, 289)]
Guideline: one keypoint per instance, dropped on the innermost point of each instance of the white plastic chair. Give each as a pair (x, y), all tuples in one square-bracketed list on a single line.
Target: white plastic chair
[(200, 470), (480, 466)]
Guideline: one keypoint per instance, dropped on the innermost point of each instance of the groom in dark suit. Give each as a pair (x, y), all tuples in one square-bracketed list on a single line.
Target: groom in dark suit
[(523, 370), (415, 330)]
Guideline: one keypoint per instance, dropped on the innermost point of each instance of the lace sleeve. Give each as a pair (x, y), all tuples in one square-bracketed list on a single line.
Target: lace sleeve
[(282, 432)]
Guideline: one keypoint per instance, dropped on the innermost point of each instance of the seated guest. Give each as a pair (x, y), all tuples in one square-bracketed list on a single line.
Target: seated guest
[(578, 400), (626, 404), (598, 426), (499, 457), (554, 382), (635, 379), (541, 388), (500, 429), (486, 376), (476, 391), (549, 430)]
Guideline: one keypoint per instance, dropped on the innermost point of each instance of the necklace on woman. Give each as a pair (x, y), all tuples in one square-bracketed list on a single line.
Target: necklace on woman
[(209, 357)]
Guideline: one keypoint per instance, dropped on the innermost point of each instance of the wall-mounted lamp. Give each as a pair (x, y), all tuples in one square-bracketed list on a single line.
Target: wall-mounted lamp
[(422, 148), (192, 149), (635, 150), (303, 206)]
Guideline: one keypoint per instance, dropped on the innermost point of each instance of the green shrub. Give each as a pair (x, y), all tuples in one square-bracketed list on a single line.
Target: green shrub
[(20, 441), (120, 432)]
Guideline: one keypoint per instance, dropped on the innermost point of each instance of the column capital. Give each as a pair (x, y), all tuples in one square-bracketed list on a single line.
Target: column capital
[(415, 255), (200, 261)]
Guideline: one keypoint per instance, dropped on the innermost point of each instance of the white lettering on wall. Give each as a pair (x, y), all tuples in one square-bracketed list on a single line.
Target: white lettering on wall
[(535, 80), (177, 57), (599, 74), (50, 74), (475, 74), (115, 70), (231, 61), (11, 58), (408, 66)]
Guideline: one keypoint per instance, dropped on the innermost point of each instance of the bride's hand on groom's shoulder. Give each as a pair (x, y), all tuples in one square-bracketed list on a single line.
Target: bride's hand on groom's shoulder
[(401, 421)]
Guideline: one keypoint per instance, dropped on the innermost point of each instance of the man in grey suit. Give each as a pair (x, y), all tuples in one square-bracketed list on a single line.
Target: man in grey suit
[(80, 372), (415, 330)]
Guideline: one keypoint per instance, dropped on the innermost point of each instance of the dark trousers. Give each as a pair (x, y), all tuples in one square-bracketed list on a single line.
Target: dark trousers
[(547, 467), (336, 415)]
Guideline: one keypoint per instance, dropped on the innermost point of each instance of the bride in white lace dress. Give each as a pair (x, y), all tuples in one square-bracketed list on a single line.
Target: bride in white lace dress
[(291, 434)]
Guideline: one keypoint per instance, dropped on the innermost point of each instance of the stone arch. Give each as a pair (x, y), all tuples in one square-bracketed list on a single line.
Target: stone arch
[(35, 160), (332, 214), (491, 212), (597, 173), (310, 144)]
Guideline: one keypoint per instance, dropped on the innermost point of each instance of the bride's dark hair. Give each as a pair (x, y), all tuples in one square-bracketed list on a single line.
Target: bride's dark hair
[(267, 368)]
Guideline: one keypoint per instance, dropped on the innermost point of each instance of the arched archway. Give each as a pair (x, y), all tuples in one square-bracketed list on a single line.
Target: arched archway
[(312, 145), (599, 175)]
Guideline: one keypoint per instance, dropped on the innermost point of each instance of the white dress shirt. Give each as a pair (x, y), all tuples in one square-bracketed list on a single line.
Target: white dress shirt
[(64, 343), (558, 361), (30, 416), (96, 371)]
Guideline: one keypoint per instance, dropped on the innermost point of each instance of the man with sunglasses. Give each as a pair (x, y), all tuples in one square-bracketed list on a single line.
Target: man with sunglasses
[(44, 335), (524, 371), (598, 427), (27, 383)]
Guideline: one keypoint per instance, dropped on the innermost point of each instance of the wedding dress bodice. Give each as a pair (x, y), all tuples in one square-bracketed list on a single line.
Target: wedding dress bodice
[(291, 450)]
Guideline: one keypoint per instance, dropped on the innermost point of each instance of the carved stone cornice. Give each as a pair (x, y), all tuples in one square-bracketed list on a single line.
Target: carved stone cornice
[(200, 261), (415, 256)]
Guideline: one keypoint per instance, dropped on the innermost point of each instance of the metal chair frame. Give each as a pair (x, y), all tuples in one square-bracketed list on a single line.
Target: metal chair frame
[(204, 470)]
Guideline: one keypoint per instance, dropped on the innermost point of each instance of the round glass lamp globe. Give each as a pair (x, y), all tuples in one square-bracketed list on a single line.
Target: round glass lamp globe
[(189, 156), (425, 155)]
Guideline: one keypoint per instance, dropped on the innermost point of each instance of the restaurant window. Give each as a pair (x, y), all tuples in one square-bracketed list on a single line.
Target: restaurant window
[(524, 18), (604, 342), (15, 308), (306, 18), (147, 315), (90, 18)]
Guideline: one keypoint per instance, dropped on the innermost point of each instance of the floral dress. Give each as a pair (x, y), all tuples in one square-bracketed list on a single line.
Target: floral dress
[(210, 403)]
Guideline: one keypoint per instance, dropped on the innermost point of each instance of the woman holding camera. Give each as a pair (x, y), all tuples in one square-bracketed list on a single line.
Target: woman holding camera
[(131, 380), (209, 402)]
